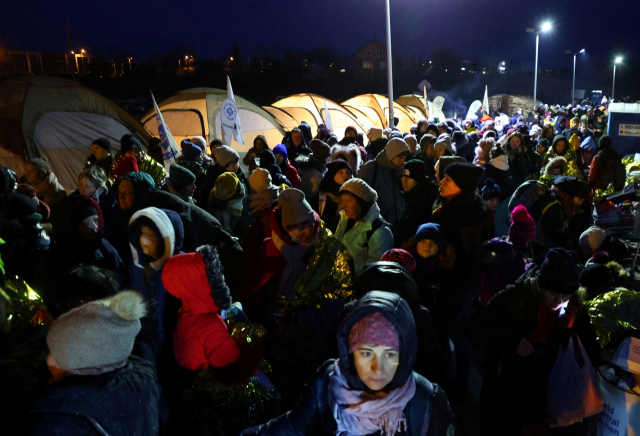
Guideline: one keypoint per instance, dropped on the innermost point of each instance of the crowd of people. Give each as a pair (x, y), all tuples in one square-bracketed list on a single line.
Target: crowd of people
[(339, 286)]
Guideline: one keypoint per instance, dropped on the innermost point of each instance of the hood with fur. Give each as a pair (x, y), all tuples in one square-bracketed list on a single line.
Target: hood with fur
[(350, 153), (558, 166)]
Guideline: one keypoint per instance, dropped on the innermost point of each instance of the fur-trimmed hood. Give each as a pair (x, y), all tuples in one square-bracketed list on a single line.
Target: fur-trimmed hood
[(350, 152), (557, 163), (198, 280)]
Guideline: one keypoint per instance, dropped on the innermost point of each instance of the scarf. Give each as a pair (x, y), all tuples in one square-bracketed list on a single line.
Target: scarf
[(295, 256), (260, 200), (547, 320), (570, 207), (359, 413)]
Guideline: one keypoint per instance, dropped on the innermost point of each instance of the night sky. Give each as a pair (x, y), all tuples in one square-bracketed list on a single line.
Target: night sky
[(487, 30)]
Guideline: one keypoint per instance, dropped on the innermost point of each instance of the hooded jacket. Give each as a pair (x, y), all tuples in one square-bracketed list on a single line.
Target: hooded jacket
[(365, 250), (350, 153), (268, 162), (311, 172), (253, 152), (146, 164), (213, 173), (567, 153), (384, 177), (427, 412), (417, 211)]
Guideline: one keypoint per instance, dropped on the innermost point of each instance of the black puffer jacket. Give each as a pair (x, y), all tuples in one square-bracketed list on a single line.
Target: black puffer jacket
[(417, 211), (121, 402), (313, 415)]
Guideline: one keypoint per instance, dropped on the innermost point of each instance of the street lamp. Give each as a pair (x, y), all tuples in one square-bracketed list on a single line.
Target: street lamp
[(617, 61), (573, 89), (389, 66), (82, 60), (546, 26), (129, 63)]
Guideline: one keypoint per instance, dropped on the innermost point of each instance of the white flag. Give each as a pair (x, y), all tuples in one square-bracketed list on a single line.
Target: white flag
[(485, 102), (230, 119), (327, 118), (426, 103), (170, 150), (438, 104), (473, 109)]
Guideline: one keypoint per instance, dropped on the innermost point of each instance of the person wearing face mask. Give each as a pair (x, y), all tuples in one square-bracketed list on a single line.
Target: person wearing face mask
[(371, 387), (327, 202), (419, 193), (130, 145), (383, 175), (523, 327)]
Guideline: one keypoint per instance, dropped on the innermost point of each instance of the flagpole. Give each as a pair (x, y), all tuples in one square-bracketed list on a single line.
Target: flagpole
[(389, 67)]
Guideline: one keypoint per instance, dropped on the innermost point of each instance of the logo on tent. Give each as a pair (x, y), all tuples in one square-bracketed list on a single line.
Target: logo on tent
[(229, 111)]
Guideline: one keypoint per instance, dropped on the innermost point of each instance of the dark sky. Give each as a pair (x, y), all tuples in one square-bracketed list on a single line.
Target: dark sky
[(488, 30)]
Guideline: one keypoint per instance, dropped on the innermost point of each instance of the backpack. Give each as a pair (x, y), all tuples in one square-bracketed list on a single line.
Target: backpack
[(375, 225), (615, 173), (527, 194)]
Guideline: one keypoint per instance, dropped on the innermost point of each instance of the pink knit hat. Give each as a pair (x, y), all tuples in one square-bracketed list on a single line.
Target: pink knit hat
[(403, 257), (373, 330), (523, 227)]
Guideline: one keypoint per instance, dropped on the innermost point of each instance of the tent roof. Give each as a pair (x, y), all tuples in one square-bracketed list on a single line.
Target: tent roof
[(379, 104)]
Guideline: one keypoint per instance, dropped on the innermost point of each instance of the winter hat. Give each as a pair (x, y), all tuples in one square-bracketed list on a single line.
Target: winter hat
[(180, 177), (260, 180), (426, 139), (321, 150), (523, 227), (295, 209), (190, 150), (199, 141), (465, 176), (40, 164), (215, 144), (411, 139), (396, 147), (588, 144), (415, 169), (442, 164), (225, 155), (374, 133), (373, 330), (350, 129), (593, 237), (560, 271), (400, 256), (267, 158), (98, 333), (103, 143), (129, 142), (281, 149), (127, 165), (333, 140), (361, 189), (572, 186), (444, 141), (594, 275), (430, 231), (604, 142), (490, 190), (535, 130), (226, 186), (490, 134)]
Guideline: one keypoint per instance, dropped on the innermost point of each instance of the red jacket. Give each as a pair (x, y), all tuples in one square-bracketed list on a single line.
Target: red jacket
[(293, 176)]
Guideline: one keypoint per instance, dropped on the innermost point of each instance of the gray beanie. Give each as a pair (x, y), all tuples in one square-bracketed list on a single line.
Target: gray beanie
[(396, 147), (225, 155), (295, 209), (361, 189), (98, 333), (41, 164), (444, 140)]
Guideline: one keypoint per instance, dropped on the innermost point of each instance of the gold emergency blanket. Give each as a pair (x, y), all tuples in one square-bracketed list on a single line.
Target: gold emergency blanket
[(615, 316)]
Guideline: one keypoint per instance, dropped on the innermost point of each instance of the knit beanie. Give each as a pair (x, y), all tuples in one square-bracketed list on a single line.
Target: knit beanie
[(129, 142), (321, 150), (593, 237), (430, 231), (40, 164), (444, 141), (103, 143), (361, 189), (226, 186), (604, 142), (490, 190), (560, 271), (180, 177), (572, 186), (260, 180), (396, 147), (374, 133), (523, 227), (127, 165), (295, 209), (373, 330), (400, 256), (415, 169), (281, 149), (199, 141), (594, 275), (189, 149), (225, 155), (98, 333), (465, 176)]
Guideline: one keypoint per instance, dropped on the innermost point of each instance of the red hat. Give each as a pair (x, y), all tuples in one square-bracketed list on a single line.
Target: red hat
[(403, 257), (127, 165), (373, 330), (523, 228)]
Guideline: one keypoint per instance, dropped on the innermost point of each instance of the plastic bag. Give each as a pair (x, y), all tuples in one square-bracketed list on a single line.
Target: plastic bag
[(574, 387), (621, 414)]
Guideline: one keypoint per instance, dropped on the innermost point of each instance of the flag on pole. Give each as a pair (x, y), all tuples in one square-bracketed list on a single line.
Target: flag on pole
[(170, 150), (230, 119), (485, 102), (327, 118), (426, 103)]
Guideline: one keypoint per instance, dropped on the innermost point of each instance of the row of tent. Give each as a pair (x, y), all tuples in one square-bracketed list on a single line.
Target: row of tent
[(58, 119)]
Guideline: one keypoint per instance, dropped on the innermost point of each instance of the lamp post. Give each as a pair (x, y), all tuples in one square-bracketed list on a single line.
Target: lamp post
[(545, 27), (129, 63), (82, 61), (617, 61), (573, 89), (389, 67)]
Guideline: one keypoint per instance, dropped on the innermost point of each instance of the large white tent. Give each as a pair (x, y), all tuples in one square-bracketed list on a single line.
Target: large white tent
[(376, 108), (57, 119), (414, 103), (196, 112)]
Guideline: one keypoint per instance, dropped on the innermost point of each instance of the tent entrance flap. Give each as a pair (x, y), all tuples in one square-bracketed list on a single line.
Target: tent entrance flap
[(183, 123)]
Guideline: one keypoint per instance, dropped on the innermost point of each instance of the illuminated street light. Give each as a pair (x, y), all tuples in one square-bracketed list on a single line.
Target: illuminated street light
[(573, 89), (617, 61), (546, 26)]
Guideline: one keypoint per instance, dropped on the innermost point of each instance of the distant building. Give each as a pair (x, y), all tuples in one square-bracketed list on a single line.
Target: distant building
[(370, 61)]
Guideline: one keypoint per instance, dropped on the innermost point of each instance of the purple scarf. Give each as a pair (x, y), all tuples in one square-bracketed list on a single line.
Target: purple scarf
[(359, 413), (294, 255)]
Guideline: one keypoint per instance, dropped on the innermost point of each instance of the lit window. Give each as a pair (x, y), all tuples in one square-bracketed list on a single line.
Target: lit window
[(367, 65), (368, 52), (383, 65)]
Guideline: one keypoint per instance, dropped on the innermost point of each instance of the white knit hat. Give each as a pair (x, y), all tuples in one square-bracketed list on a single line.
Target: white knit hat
[(260, 180), (361, 189), (593, 237), (395, 147), (225, 155)]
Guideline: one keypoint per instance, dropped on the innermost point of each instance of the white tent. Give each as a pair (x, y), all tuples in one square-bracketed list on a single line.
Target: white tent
[(196, 112), (57, 119), (376, 108)]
